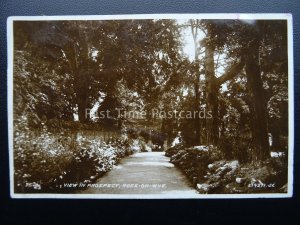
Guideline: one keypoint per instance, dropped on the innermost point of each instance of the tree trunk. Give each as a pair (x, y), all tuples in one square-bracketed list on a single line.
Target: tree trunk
[(194, 29), (82, 107), (256, 91), (197, 118), (82, 96), (211, 97)]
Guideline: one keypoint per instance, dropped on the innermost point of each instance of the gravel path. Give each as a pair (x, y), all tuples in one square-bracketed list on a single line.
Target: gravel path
[(144, 173)]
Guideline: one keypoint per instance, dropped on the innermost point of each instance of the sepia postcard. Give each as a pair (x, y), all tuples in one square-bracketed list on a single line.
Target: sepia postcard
[(151, 106)]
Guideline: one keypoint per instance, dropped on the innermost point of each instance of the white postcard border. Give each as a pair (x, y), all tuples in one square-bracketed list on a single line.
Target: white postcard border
[(269, 16)]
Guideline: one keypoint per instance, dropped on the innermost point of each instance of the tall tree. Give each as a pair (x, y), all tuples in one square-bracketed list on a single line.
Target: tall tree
[(194, 24), (267, 52), (66, 48), (254, 43), (215, 38)]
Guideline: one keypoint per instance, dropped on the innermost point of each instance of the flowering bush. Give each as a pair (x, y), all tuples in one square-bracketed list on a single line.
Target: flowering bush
[(44, 161), (210, 173)]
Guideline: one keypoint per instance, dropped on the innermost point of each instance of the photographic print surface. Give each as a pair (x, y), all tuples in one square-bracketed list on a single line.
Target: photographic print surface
[(151, 106)]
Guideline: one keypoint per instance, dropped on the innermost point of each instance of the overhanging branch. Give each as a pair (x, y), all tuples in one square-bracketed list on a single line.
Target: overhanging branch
[(230, 73)]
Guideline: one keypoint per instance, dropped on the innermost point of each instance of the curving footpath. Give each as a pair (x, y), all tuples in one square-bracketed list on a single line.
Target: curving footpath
[(144, 173)]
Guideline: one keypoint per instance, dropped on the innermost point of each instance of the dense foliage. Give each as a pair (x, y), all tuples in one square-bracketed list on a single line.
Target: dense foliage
[(236, 84)]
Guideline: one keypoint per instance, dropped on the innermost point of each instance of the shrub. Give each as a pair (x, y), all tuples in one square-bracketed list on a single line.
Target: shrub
[(44, 161), (192, 161), (211, 173)]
